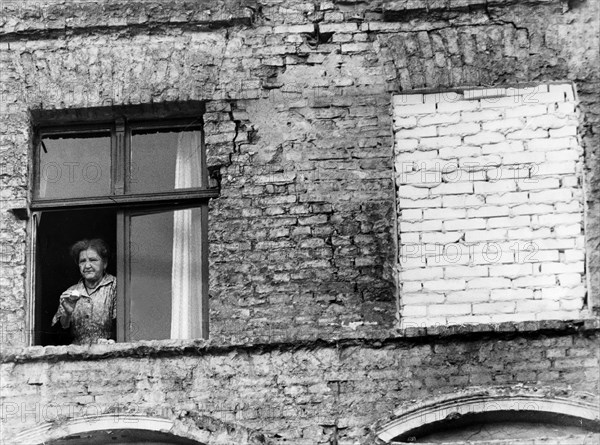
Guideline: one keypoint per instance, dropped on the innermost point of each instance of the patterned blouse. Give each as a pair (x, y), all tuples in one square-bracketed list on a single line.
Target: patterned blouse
[(94, 312)]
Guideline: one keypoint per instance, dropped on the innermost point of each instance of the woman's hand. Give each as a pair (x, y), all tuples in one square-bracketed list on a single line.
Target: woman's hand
[(68, 300)]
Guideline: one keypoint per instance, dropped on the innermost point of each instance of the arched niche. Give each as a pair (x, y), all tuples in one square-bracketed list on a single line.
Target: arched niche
[(502, 416), (121, 429), (110, 427), (123, 437)]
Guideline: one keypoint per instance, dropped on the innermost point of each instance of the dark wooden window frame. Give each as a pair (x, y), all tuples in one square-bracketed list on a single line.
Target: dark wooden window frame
[(121, 125)]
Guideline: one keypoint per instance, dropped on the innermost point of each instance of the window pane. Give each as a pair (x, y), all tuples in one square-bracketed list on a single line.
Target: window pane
[(74, 167), (165, 275), (165, 161)]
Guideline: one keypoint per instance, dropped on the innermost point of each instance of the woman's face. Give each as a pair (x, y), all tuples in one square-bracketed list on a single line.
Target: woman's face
[(91, 265)]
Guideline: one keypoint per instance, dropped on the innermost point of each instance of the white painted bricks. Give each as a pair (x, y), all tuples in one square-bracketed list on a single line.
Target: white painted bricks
[(489, 205)]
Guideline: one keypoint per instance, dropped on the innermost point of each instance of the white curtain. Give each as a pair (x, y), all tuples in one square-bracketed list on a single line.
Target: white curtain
[(187, 264)]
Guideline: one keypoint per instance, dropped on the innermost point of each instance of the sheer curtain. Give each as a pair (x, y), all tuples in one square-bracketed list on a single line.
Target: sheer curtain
[(187, 263)]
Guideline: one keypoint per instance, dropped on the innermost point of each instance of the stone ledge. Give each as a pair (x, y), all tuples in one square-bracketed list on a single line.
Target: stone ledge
[(169, 348), (541, 326)]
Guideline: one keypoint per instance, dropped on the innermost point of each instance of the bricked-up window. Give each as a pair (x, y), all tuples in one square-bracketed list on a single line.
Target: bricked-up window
[(140, 184), (490, 206)]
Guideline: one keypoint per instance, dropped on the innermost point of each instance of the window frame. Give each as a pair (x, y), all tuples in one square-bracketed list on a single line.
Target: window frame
[(121, 127)]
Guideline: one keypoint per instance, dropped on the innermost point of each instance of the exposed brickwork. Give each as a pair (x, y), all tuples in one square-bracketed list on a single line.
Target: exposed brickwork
[(300, 138), (309, 220), (292, 394), (309, 209), (490, 205)]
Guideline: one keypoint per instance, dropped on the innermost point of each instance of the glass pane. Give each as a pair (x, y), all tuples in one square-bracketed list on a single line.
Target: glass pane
[(74, 167), (164, 161), (166, 275)]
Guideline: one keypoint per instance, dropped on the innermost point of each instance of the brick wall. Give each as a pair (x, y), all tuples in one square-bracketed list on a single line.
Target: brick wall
[(490, 205), (289, 393), (299, 137), (302, 238)]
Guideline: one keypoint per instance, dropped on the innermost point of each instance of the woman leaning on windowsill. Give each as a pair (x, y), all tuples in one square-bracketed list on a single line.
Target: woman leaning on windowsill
[(88, 308)]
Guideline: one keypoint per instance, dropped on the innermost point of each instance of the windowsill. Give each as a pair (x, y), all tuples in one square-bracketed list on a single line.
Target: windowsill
[(156, 348)]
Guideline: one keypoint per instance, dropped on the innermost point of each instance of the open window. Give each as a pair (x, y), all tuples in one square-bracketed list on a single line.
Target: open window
[(141, 185)]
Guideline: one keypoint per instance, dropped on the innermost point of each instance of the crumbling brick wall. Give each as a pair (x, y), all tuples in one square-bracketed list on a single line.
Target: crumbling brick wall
[(336, 391), (303, 231), (299, 137)]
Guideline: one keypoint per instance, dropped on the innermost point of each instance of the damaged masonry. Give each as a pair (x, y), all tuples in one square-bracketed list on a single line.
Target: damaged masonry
[(337, 222)]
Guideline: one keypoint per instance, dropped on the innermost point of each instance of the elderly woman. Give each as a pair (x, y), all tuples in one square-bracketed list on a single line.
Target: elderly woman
[(88, 308)]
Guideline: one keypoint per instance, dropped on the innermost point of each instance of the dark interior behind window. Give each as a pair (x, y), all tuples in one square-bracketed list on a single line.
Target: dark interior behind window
[(57, 232)]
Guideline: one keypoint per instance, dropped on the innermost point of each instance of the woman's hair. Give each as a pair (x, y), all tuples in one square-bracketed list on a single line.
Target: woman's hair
[(97, 244)]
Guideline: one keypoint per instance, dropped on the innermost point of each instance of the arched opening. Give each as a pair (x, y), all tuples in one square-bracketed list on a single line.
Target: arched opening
[(129, 429), (123, 437), (499, 415), (499, 425), (114, 429)]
